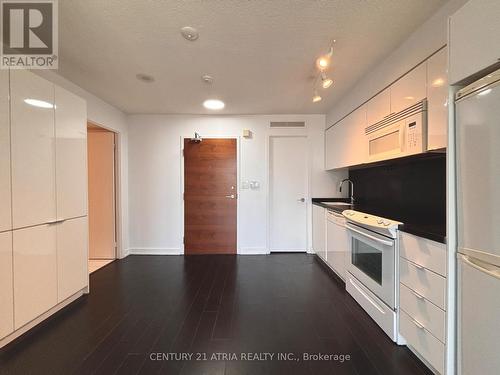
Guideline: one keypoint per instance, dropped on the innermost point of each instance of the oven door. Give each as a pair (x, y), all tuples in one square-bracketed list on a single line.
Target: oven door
[(373, 262)]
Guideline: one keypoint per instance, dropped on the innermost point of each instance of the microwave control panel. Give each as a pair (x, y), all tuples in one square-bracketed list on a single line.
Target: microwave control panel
[(413, 135)]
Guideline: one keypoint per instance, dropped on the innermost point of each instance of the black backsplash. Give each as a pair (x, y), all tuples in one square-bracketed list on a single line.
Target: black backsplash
[(411, 190)]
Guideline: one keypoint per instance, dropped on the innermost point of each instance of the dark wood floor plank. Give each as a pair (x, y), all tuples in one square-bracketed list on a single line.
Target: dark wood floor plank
[(142, 305)]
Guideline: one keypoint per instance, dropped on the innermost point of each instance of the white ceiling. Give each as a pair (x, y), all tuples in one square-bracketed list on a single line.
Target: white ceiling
[(260, 52)]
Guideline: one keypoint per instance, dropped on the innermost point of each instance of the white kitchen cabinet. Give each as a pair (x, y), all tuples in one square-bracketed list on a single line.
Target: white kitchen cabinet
[(437, 100), (336, 146), (378, 107), (346, 142), (71, 154), (35, 272), (72, 257), (5, 187), (33, 149), (424, 252), (337, 243), (474, 38), (6, 293), (409, 89), (426, 283), (428, 346), (319, 231), (355, 146)]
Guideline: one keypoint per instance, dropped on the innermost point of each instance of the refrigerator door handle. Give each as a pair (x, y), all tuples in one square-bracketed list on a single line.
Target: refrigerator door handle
[(481, 266)]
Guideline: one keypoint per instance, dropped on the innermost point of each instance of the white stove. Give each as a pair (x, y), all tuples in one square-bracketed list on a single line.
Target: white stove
[(372, 269), (378, 224)]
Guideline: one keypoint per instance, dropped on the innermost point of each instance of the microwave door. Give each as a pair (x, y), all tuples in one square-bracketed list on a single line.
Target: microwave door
[(386, 142)]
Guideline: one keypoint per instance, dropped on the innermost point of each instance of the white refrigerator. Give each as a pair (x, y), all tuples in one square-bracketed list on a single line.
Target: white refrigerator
[(478, 209)]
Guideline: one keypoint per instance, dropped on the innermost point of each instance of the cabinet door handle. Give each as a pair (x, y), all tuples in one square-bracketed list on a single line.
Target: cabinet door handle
[(55, 222), (232, 196)]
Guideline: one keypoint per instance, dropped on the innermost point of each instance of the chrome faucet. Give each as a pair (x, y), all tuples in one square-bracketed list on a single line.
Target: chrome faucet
[(352, 188)]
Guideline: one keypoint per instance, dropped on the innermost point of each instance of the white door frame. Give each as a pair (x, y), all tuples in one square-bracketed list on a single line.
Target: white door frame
[(238, 161), (269, 182)]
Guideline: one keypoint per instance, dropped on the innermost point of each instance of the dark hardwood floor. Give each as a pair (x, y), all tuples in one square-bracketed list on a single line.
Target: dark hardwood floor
[(144, 305)]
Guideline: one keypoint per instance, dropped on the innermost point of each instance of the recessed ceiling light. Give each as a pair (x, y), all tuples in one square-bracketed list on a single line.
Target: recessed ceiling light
[(214, 104), (38, 103), (145, 78), (189, 33)]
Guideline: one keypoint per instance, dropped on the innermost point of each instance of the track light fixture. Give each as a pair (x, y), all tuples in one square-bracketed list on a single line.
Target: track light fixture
[(325, 81), (323, 62), (316, 98)]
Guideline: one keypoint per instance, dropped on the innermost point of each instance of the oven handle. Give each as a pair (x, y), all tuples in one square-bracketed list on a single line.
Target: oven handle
[(385, 242)]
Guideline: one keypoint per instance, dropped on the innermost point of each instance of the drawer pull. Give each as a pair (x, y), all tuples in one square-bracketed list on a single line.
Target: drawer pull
[(418, 266), (419, 296), (418, 324)]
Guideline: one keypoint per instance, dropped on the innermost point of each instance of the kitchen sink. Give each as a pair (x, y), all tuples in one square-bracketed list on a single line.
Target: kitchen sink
[(336, 203)]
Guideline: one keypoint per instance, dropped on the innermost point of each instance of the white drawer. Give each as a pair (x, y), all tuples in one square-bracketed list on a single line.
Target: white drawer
[(426, 283), (427, 253), (378, 310), (424, 312), (429, 347)]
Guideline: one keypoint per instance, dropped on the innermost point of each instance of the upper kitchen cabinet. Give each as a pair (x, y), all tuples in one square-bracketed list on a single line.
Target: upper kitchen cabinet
[(71, 154), (33, 149), (5, 188), (409, 89), (356, 147), (345, 141), (335, 137), (474, 38), (378, 107), (437, 97)]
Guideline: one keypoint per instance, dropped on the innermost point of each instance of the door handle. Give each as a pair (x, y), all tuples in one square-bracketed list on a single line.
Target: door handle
[(301, 200), (232, 196)]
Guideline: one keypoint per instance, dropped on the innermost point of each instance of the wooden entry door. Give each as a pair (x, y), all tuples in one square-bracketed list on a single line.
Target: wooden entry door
[(210, 196)]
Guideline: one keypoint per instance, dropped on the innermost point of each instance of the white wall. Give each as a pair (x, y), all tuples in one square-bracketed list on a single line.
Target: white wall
[(155, 175), (422, 43), (104, 114)]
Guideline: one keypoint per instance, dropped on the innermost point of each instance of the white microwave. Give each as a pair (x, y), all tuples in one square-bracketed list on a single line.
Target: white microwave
[(399, 134)]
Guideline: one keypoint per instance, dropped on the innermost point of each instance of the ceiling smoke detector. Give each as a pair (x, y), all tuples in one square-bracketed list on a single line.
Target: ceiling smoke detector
[(145, 78), (207, 78), (189, 33)]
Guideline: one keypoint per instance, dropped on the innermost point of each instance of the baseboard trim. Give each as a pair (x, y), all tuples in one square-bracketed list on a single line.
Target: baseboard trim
[(155, 251), (253, 251)]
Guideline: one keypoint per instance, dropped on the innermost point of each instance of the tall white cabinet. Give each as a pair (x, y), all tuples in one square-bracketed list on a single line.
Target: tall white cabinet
[(71, 155), (43, 188), (35, 272), (33, 150), (5, 186), (6, 293)]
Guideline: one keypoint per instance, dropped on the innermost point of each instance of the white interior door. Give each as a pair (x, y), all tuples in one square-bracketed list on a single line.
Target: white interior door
[(288, 193)]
